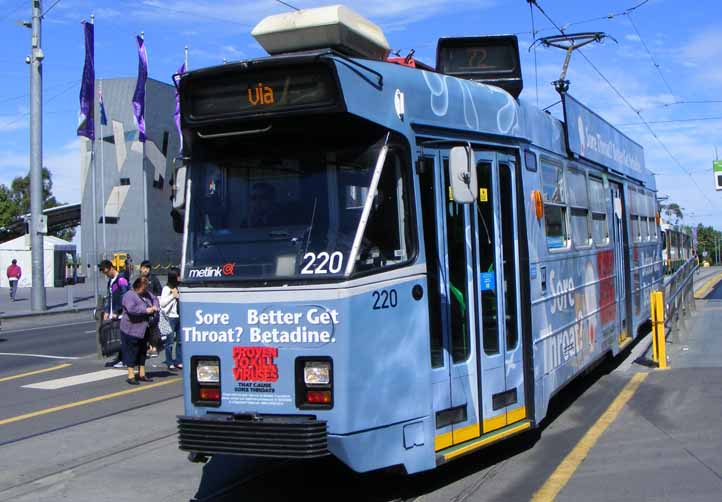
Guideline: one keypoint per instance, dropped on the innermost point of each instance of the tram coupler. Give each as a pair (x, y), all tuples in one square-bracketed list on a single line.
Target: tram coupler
[(197, 458)]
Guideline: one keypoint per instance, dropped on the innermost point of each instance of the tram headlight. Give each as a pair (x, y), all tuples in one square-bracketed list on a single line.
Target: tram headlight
[(207, 371), (317, 373)]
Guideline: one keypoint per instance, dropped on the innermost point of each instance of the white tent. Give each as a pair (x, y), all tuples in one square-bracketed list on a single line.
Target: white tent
[(19, 249)]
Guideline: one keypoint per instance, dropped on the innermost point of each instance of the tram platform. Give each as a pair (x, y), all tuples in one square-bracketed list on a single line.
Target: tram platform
[(665, 442)]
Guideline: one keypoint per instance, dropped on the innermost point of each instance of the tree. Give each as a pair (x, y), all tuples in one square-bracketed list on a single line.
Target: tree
[(672, 210), (15, 201), (707, 240)]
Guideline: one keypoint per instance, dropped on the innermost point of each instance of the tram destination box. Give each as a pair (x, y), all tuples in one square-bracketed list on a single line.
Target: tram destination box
[(492, 60), (233, 91)]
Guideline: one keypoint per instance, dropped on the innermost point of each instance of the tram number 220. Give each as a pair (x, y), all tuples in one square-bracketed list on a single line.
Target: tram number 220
[(385, 299), (322, 263)]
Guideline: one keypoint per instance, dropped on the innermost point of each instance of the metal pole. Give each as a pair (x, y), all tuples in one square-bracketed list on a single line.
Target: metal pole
[(36, 163), (94, 207), (145, 186), (102, 181)]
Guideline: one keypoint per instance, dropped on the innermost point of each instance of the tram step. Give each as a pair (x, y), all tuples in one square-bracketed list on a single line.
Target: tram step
[(482, 441)]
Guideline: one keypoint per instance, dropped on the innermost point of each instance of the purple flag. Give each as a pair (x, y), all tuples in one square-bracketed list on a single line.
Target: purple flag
[(103, 116), (177, 115), (86, 125), (139, 94)]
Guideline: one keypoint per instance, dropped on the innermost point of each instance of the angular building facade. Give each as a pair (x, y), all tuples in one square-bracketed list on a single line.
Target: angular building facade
[(131, 178)]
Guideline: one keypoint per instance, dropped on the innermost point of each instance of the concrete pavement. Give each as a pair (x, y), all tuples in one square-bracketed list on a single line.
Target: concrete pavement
[(666, 444), (56, 299)]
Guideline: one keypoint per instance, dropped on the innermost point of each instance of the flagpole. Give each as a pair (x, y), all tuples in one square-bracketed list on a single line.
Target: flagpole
[(94, 195), (102, 173), (145, 170)]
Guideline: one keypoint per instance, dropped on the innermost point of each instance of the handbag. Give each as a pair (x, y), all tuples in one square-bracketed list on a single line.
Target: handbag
[(164, 325), (109, 337), (154, 338)]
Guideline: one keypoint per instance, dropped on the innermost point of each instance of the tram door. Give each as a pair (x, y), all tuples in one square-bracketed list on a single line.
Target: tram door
[(620, 257), (472, 277), (497, 293), (452, 320)]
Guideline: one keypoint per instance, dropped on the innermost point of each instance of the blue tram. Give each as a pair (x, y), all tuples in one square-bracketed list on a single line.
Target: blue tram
[(394, 265)]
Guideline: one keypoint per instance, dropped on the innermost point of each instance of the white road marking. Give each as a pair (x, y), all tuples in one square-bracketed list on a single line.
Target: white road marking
[(88, 332), (50, 326), (60, 383), (36, 355)]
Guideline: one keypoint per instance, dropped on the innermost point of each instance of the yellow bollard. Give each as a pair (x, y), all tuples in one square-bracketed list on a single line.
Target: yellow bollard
[(658, 331), (655, 357)]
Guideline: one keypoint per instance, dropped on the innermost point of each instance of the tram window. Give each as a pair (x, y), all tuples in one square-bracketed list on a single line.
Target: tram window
[(553, 183), (598, 200), (456, 253), (433, 260), (277, 210), (644, 228), (388, 237), (579, 203), (652, 229), (555, 218), (487, 262), (580, 227), (506, 192), (636, 232)]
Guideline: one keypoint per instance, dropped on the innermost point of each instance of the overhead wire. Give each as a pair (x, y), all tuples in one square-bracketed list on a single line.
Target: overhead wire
[(47, 11), (651, 56), (536, 68), (50, 99), (288, 5), (673, 121), (589, 20), (626, 101)]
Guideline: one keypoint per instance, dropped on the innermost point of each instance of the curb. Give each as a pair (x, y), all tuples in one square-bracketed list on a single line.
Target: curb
[(707, 287), (28, 315)]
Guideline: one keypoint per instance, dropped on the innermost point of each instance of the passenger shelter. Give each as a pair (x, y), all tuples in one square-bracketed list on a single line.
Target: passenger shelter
[(57, 256)]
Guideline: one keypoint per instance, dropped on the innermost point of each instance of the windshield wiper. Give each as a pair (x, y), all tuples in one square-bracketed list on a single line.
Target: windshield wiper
[(310, 226), (380, 161)]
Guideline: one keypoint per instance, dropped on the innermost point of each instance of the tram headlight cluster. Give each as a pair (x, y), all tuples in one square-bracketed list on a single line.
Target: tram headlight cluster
[(314, 382), (208, 371), (317, 373)]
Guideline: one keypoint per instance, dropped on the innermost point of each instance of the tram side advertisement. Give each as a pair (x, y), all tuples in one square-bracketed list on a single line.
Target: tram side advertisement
[(579, 317), (252, 339)]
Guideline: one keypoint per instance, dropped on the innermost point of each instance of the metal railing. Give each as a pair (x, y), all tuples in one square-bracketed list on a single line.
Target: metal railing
[(670, 308)]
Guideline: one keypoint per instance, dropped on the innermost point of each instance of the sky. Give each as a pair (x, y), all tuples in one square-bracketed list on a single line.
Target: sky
[(666, 52)]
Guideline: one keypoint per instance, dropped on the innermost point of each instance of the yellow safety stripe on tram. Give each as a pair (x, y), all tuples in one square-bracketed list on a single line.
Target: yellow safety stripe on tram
[(463, 434), (472, 431), (443, 441), (488, 440), (516, 414), (495, 423)]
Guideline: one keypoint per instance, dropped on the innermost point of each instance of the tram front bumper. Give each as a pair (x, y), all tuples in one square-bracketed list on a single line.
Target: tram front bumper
[(252, 435)]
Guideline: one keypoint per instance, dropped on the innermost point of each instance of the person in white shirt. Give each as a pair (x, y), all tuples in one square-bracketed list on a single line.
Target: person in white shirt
[(169, 299)]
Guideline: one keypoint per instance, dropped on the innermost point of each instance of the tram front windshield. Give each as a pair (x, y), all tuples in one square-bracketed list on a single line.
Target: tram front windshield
[(292, 211)]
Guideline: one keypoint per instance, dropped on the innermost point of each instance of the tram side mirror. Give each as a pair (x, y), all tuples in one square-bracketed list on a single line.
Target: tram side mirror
[(462, 175), (178, 195)]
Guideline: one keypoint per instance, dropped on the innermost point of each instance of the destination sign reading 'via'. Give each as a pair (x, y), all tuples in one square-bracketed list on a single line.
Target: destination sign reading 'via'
[(251, 93)]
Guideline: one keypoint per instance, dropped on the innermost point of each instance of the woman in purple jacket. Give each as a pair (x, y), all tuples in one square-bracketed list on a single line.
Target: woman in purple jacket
[(140, 311)]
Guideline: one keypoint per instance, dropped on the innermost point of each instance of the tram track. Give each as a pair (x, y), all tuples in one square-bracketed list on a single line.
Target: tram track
[(90, 420), (142, 442)]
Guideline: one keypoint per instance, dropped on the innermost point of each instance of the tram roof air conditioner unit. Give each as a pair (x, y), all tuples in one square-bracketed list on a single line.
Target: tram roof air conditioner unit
[(335, 27)]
